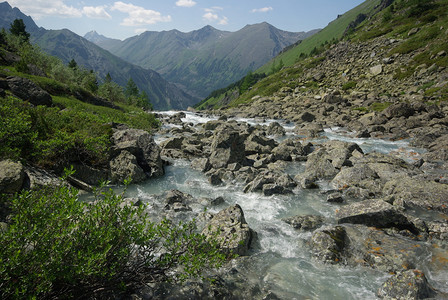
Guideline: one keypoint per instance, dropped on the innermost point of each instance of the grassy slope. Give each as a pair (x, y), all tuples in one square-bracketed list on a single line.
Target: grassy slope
[(335, 29), (431, 39)]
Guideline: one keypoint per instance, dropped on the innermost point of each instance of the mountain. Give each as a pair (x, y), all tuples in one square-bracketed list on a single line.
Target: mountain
[(67, 46), (205, 59), (95, 37)]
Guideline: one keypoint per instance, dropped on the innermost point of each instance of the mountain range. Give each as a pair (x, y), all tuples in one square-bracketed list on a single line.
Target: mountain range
[(215, 58), (67, 46)]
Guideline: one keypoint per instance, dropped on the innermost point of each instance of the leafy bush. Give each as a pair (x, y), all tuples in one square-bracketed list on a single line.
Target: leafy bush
[(57, 246)]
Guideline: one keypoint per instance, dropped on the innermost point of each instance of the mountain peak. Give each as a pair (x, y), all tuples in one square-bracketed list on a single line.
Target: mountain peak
[(95, 37)]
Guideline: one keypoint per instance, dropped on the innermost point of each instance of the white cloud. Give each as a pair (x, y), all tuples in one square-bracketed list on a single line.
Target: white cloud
[(261, 10), (186, 3), (211, 15), (139, 16), (98, 12), (41, 8), (140, 30)]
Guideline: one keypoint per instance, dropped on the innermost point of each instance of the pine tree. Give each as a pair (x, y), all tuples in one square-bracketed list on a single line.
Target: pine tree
[(18, 28)]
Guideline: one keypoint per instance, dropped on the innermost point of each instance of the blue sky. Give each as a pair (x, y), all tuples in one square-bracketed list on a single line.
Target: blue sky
[(126, 18)]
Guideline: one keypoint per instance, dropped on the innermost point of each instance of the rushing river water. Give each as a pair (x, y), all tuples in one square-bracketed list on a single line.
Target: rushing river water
[(281, 261)]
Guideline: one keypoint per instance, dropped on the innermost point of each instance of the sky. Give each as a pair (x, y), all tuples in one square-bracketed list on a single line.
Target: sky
[(126, 18)]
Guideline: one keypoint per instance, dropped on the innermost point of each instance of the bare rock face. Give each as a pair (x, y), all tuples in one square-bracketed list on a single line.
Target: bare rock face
[(12, 175), (410, 284), (231, 230), (27, 90)]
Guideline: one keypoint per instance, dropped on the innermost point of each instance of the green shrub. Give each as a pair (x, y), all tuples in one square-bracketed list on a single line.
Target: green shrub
[(348, 85), (379, 106), (57, 246)]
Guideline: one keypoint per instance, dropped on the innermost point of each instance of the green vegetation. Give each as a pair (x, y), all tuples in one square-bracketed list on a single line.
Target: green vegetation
[(73, 130), (348, 85), (379, 106), (57, 246)]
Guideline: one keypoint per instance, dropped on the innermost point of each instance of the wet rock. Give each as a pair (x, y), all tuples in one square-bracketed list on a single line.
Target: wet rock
[(288, 149), (227, 147), (438, 230), (27, 90), (231, 230), (201, 164), (140, 144), (327, 244), (259, 144), (177, 201), (407, 285), (307, 222), (125, 166), (275, 189), (275, 129), (411, 192), (353, 176), (335, 198), (276, 183), (172, 143), (377, 213), (12, 175), (215, 179)]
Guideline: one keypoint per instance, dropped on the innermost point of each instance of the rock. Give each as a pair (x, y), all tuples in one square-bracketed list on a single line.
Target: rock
[(90, 175), (307, 222), (140, 144), (438, 230), (12, 175), (172, 143), (327, 244), (275, 189), (37, 178), (227, 147), (407, 285), (258, 144), (413, 31), (333, 98), (275, 129), (376, 70), (398, 110), (27, 90), (288, 149), (306, 117), (201, 164), (353, 176), (335, 198), (376, 213), (215, 179), (411, 192), (177, 201), (230, 228), (125, 166)]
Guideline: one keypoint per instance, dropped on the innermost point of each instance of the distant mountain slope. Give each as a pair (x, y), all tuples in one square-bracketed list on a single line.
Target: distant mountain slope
[(68, 45), (205, 59), (96, 38)]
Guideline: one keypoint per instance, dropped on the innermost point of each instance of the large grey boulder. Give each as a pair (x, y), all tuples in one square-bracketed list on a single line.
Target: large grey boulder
[(27, 90), (140, 144), (413, 192), (125, 166), (259, 144), (327, 244), (231, 230), (227, 147), (407, 285), (307, 222), (402, 109), (353, 176), (377, 213), (12, 175)]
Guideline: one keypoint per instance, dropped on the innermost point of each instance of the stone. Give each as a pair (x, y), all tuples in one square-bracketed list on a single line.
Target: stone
[(353, 176), (177, 201), (398, 110), (12, 175), (275, 189), (307, 222), (201, 164), (376, 70), (259, 144), (125, 166), (231, 230), (328, 243), (306, 117), (409, 284), (27, 90), (142, 145), (335, 198), (413, 31), (376, 213), (275, 129), (227, 147)]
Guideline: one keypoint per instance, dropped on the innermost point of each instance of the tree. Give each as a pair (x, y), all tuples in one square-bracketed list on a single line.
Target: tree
[(72, 64), (18, 28), (131, 89), (108, 78)]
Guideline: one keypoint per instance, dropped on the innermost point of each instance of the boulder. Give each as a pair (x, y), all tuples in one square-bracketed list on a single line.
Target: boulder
[(230, 228), (412, 192), (177, 201), (376, 213), (376, 70), (259, 144), (353, 176), (275, 129), (125, 166), (27, 90), (227, 147), (201, 164), (407, 285), (140, 144), (328, 243), (307, 222), (398, 110), (12, 175), (335, 198)]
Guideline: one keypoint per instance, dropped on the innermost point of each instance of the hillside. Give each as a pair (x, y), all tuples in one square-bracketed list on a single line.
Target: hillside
[(206, 59), (397, 56), (68, 45)]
